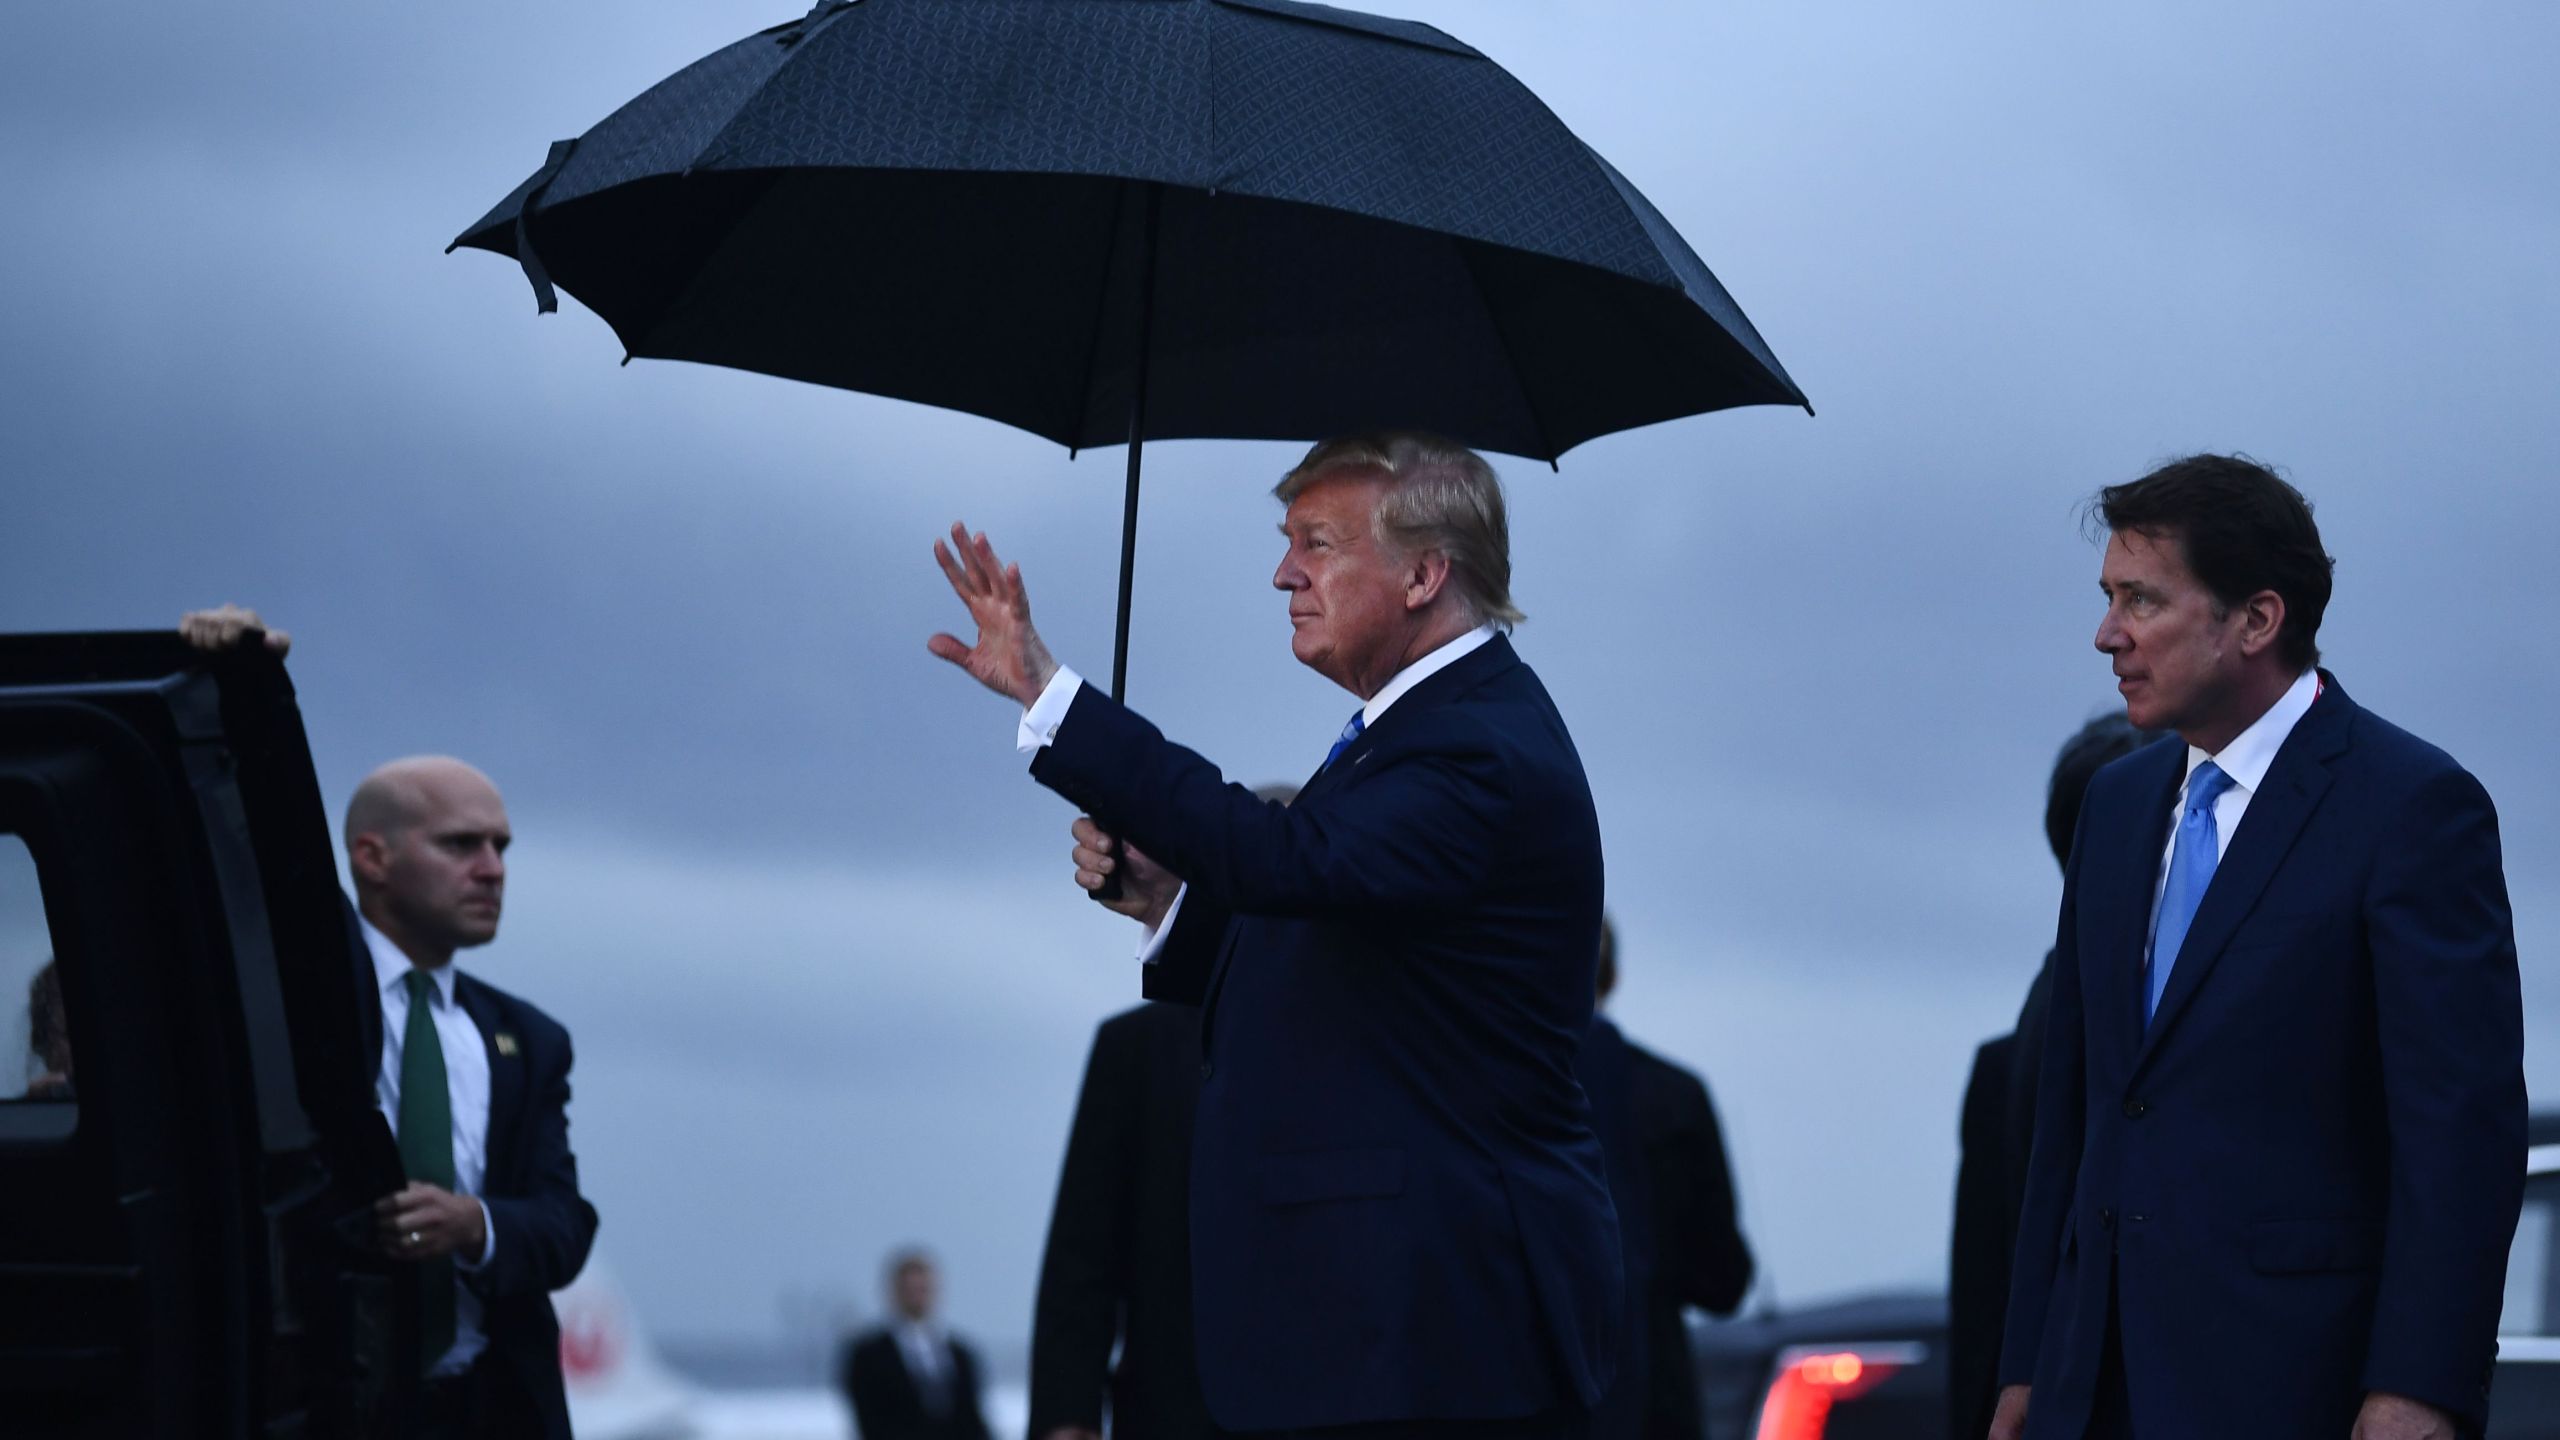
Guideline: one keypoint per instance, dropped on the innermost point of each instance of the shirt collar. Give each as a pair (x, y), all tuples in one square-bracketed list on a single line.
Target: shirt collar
[(391, 966), (1449, 653), (2253, 750)]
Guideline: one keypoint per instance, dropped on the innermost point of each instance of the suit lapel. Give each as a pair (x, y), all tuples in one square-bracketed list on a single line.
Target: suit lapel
[(2283, 805), (506, 1079)]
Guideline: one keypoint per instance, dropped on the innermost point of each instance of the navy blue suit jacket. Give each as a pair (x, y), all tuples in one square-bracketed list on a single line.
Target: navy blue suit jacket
[(2298, 1185), (1399, 1209), (544, 1227)]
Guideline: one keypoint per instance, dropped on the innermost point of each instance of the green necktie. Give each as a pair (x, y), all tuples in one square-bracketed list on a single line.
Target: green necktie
[(426, 1151)]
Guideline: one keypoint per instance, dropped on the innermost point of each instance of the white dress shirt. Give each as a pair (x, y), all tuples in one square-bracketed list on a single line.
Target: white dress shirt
[(927, 1355), (466, 1074), (2245, 760), (1039, 729)]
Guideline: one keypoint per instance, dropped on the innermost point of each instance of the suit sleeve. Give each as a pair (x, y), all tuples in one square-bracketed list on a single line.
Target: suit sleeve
[(861, 1382), (1422, 827), (1076, 1316), (542, 1235), (2053, 1167), (1180, 971), (1702, 1246), (1980, 1244), (2450, 1020)]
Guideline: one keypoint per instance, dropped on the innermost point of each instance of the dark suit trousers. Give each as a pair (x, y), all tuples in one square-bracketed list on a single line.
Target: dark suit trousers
[(481, 1403), (1564, 1425)]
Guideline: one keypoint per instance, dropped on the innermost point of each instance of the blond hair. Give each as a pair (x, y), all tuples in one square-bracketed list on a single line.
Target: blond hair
[(1440, 496)]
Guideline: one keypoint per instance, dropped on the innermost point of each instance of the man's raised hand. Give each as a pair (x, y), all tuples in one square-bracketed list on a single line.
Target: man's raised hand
[(1008, 658)]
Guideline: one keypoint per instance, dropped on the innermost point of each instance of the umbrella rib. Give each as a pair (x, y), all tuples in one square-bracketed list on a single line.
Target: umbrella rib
[(710, 153), (1739, 329), (1510, 357), (772, 181), (1082, 399)]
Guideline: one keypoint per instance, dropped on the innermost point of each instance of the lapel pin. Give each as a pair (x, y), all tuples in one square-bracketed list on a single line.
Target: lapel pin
[(505, 1042)]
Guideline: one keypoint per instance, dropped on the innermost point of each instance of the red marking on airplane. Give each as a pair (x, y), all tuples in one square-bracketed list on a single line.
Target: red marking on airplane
[(589, 1344)]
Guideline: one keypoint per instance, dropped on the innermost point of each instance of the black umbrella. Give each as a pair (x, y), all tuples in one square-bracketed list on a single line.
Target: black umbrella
[(1107, 220)]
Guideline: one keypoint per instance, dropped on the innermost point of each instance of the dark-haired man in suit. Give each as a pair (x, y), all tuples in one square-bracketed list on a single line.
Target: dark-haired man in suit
[(1998, 1128), (1111, 1327), (1681, 1237), (1400, 1218), (2280, 1142)]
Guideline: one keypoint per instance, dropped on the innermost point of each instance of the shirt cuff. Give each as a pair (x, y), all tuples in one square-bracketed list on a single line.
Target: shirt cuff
[(489, 1248), (1151, 944), (1040, 723)]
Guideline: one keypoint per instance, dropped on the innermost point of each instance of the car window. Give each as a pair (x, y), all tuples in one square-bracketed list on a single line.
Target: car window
[(35, 1033), (2533, 1263)]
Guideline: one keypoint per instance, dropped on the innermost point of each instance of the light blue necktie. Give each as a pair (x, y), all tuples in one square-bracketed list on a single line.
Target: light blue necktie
[(1350, 732), (2190, 872)]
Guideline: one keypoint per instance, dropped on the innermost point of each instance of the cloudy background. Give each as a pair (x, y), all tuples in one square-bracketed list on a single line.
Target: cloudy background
[(779, 869)]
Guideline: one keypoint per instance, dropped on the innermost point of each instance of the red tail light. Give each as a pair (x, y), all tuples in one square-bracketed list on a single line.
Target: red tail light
[(1811, 1379)]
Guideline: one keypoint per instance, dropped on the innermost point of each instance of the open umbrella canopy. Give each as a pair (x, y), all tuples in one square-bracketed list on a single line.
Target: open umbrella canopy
[(1108, 220)]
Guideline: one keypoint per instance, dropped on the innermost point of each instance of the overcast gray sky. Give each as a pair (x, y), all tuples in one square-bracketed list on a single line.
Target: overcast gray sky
[(780, 871)]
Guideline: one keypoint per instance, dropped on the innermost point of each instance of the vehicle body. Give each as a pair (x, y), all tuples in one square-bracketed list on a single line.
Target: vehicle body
[(2524, 1398), (1871, 1368)]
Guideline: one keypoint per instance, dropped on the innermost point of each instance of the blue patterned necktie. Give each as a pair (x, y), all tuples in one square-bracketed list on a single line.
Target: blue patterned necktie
[(2191, 866), (1350, 732)]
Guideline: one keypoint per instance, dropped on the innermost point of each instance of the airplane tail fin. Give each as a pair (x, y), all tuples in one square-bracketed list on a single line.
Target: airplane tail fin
[(619, 1387)]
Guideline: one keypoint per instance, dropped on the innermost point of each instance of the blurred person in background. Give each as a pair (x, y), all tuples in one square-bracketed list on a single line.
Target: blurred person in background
[(1116, 1276), (1999, 1120), (1681, 1239), (48, 1036), (912, 1379), (1115, 1279)]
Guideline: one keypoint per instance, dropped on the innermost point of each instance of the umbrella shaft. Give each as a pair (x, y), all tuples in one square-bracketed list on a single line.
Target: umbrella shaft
[(1129, 503), (1137, 440)]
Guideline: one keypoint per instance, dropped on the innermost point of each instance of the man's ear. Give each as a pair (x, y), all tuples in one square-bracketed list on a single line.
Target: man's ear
[(2261, 622), (369, 855), (1426, 574)]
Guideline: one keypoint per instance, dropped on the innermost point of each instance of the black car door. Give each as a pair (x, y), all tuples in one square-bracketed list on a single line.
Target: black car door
[(188, 1143)]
